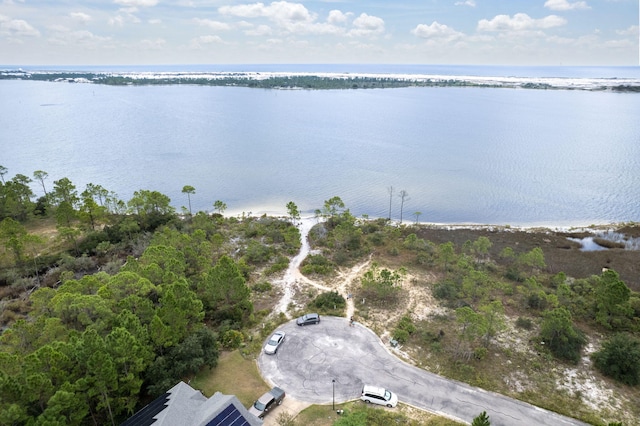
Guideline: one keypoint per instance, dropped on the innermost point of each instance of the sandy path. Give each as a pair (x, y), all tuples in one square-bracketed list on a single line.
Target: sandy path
[(293, 277)]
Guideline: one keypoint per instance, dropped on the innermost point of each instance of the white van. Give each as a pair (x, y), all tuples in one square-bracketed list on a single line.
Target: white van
[(378, 395)]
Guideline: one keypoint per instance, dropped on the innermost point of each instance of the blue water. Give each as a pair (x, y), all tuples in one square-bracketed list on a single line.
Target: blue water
[(464, 155)]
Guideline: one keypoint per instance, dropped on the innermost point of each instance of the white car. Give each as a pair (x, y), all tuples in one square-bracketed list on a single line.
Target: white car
[(274, 342), (378, 395)]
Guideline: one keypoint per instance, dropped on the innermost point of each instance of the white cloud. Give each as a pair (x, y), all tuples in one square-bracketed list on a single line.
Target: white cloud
[(80, 17), (199, 42), (259, 31), (336, 17), (365, 25), (288, 17), (519, 22), (125, 15), (156, 44), (565, 5), (214, 25), (136, 3), (436, 30), (61, 35), (470, 3), (632, 31), (16, 28), (278, 11)]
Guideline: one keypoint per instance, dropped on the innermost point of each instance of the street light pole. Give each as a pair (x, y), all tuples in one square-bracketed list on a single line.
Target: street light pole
[(333, 392)]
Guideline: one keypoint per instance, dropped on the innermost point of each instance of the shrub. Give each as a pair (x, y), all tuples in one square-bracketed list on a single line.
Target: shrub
[(316, 264), (262, 287), (619, 358), (232, 339), (480, 353), (445, 290), (329, 301), (402, 336), (560, 336), (258, 253), (524, 323)]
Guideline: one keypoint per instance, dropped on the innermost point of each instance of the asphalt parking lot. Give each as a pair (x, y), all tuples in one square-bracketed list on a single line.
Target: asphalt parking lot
[(331, 361)]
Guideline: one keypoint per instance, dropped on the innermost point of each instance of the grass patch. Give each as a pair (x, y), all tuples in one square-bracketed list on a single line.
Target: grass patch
[(320, 415), (234, 375), (323, 415)]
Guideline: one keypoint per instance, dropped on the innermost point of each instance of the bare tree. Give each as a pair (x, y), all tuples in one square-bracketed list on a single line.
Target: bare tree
[(404, 196), (390, 190)]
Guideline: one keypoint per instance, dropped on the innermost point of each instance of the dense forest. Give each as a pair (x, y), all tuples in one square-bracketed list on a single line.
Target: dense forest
[(108, 303)]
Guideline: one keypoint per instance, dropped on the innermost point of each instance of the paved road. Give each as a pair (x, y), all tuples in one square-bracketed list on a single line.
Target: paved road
[(314, 355)]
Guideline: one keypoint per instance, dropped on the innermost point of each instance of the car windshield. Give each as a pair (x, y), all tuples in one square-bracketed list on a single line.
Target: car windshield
[(387, 395), (273, 341), (258, 406)]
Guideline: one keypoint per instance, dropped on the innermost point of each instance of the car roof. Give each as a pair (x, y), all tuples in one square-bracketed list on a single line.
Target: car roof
[(373, 389)]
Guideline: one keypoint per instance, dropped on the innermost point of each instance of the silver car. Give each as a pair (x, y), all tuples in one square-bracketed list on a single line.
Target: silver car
[(378, 395), (274, 342)]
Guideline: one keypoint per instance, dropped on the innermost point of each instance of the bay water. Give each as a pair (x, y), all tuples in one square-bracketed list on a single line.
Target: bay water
[(463, 155)]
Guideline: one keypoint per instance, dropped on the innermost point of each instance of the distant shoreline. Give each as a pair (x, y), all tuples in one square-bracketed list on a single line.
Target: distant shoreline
[(323, 80)]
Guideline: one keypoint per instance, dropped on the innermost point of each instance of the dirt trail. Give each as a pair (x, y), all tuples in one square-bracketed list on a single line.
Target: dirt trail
[(293, 278)]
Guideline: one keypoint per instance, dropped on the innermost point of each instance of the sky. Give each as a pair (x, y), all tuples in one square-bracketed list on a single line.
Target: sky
[(460, 32)]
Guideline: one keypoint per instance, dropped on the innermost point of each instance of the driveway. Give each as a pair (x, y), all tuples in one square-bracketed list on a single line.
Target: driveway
[(313, 356)]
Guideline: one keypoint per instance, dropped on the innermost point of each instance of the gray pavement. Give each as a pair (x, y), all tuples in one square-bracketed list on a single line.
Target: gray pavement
[(313, 356)]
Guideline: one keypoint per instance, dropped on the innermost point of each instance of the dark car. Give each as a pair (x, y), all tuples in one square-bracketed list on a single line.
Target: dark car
[(267, 402), (308, 319)]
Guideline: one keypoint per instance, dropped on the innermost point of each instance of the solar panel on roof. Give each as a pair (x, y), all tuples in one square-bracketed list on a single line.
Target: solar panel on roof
[(230, 416), (145, 417)]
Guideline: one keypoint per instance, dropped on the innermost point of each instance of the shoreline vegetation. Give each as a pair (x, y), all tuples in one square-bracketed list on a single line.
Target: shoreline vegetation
[(322, 81), (108, 303)]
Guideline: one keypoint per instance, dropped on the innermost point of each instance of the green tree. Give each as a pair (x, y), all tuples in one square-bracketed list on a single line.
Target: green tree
[(332, 207), (90, 210), (446, 255), (417, 215), (472, 326), (224, 292), (481, 419), (494, 320), (293, 212), (619, 358), (481, 247), (64, 191), (179, 312), (612, 297), (533, 259), (13, 235), (197, 350), (17, 197), (3, 171), (381, 284), (40, 176), (560, 336), (219, 206), (188, 189)]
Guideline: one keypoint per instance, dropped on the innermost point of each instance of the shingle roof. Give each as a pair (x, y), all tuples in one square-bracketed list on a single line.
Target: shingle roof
[(183, 405)]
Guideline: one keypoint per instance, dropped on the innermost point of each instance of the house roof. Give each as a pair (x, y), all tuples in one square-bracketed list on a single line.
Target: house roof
[(183, 405)]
